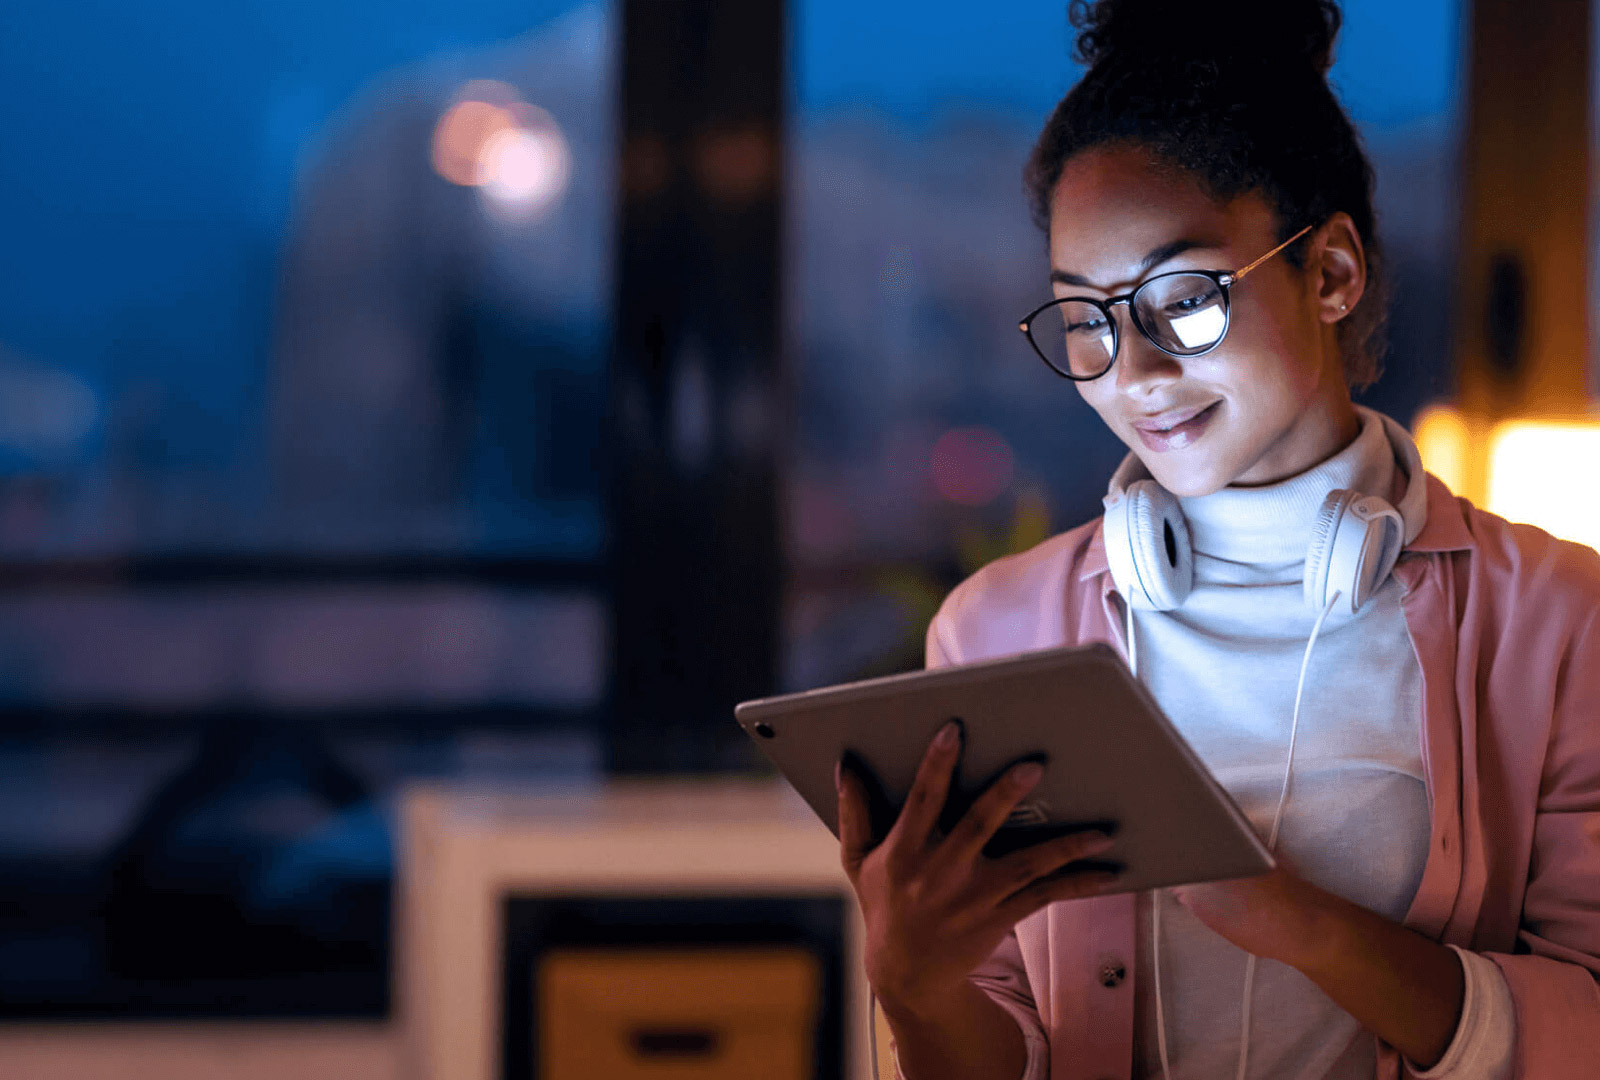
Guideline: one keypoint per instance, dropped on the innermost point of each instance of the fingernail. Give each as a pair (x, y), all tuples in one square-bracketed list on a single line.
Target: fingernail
[(947, 736), (1098, 841), (1027, 774), (838, 775)]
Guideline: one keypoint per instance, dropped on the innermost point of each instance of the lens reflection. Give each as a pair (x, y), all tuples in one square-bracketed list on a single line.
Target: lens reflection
[(1183, 313)]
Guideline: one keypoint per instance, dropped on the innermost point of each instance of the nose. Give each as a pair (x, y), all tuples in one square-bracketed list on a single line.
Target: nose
[(1142, 368)]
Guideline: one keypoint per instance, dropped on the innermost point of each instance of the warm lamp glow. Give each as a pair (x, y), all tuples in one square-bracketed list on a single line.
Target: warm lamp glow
[(1539, 472), (525, 168), (462, 135), (1445, 443), (512, 152)]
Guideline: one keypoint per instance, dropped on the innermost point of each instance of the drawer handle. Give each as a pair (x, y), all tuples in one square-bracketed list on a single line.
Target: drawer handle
[(673, 1042)]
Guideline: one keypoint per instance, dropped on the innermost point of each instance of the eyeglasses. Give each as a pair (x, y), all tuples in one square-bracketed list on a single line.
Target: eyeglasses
[(1184, 313)]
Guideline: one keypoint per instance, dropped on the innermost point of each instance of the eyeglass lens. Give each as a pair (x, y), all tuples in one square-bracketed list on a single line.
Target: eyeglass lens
[(1184, 314)]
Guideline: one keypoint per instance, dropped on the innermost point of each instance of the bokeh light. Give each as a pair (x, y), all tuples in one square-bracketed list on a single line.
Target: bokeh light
[(514, 153), (1445, 442), (972, 466), (1528, 483), (461, 136), (524, 169)]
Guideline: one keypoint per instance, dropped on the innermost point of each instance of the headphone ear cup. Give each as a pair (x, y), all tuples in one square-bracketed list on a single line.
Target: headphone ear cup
[(1315, 582), (1354, 545), (1147, 547)]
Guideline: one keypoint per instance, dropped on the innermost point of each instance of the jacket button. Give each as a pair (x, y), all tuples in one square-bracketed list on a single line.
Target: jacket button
[(1112, 972)]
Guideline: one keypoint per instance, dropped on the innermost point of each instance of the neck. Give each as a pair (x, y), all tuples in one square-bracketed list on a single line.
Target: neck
[(1325, 426)]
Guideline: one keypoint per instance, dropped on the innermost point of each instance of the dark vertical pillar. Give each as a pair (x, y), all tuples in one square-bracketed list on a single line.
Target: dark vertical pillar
[(1522, 318), (696, 368)]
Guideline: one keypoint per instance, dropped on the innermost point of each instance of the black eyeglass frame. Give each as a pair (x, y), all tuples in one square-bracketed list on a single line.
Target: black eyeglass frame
[(1223, 279)]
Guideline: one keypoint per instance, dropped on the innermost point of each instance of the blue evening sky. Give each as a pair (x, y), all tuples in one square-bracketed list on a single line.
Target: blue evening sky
[(1396, 62), (150, 147)]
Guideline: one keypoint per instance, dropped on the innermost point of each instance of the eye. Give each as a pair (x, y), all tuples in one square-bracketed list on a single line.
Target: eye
[(1087, 325), (1186, 304)]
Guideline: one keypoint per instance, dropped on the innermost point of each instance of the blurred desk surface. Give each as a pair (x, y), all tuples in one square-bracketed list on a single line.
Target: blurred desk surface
[(463, 851)]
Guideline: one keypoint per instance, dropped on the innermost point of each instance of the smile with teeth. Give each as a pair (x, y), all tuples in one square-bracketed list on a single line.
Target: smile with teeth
[(1175, 429)]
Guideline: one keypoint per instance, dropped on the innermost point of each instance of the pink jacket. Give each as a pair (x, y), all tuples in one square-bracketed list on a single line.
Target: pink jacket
[(1503, 618)]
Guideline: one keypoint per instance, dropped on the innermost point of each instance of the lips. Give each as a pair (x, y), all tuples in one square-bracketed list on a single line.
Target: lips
[(1175, 428)]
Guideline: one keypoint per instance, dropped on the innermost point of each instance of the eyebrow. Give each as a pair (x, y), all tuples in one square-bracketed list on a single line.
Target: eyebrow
[(1155, 258)]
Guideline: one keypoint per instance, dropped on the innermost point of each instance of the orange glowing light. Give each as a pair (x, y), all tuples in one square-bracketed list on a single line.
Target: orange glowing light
[(462, 135), (1445, 442), (1532, 464), (512, 152)]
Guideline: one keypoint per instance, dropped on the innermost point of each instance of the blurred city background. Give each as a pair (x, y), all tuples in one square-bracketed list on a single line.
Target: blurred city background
[(324, 467)]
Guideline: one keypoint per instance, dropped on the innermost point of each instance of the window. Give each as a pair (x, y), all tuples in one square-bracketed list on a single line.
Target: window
[(303, 328)]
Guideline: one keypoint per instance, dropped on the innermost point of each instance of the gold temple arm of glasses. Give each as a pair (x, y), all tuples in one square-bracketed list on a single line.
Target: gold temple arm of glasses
[(1237, 274)]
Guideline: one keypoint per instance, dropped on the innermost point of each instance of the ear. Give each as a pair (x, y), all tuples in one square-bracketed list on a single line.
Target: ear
[(1338, 267)]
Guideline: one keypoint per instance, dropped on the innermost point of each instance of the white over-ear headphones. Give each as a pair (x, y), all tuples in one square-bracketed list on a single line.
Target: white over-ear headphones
[(1355, 541)]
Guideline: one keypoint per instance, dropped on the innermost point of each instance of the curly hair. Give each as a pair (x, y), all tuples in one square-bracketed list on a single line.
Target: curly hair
[(1237, 98)]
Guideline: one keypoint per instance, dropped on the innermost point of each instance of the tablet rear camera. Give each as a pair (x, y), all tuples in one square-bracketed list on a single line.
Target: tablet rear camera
[(765, 730)]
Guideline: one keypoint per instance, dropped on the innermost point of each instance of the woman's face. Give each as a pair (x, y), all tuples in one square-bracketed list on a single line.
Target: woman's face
[(1267, 403)]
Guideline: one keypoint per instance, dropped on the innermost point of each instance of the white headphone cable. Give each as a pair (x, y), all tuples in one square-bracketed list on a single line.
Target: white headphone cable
[(1155, 896), (1277, 821), (1272, 845)]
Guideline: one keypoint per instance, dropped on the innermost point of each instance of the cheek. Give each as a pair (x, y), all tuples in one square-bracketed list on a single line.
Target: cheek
[(1276, 350), (1261, 368), (1099, 395)]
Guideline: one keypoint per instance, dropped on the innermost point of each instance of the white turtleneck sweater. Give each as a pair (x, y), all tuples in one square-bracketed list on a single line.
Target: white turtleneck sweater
[(1224, 667)]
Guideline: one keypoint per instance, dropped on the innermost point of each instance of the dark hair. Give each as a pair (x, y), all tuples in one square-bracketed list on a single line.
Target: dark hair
[(1237, 97)]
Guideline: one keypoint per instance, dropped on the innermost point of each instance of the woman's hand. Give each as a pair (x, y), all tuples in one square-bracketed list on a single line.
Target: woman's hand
[(1274, 915), (1402, 987), (935, 906)]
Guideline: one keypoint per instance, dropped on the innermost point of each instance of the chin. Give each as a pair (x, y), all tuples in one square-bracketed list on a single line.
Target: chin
[(1187, 479)]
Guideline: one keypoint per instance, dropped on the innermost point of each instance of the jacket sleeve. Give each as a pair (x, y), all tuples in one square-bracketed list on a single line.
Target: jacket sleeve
[(1552, 974), (1002, 976)]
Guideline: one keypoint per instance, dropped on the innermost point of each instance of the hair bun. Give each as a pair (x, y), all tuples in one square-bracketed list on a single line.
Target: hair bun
[(1112, 32)]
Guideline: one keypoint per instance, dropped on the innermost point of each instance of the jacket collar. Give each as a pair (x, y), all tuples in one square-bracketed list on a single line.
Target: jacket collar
[(1445, 530)]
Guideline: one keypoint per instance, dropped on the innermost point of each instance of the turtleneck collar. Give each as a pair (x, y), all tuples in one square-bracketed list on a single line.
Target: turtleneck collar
[(1271, 525)]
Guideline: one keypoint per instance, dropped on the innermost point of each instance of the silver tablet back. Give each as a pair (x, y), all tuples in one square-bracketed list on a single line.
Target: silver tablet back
[(1112, 756)]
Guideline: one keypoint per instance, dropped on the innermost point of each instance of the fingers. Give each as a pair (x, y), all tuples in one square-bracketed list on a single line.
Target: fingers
[(929, 790), (989, 811), (855, 831), (1070, 885), (1020, 869)]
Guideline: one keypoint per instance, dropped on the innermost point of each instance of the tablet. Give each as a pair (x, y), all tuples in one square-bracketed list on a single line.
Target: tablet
[(1113, 759)]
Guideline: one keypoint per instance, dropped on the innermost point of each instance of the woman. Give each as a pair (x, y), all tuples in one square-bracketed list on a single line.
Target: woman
[(1218, 294)]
